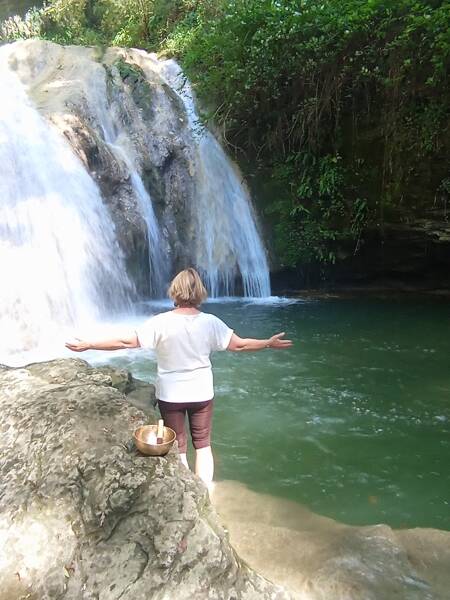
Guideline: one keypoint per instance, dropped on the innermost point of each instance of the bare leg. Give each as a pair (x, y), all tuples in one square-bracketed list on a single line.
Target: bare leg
[(204, 465), (183, 459)]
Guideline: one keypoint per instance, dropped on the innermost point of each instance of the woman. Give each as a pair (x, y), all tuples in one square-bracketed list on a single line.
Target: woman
[(183, 340)]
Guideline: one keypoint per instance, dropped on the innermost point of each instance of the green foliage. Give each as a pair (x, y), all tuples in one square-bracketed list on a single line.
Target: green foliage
[(345, 102), (300, 82), (17, 28), (65, 21), (129, 72), (318, 211)]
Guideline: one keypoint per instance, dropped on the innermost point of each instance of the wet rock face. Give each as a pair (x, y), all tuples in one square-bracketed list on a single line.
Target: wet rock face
[(413, 256), (83, 515), (368, 563)]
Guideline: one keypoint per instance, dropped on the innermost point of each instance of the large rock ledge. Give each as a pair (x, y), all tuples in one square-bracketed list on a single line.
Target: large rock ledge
[(85, 516), (317, 558)]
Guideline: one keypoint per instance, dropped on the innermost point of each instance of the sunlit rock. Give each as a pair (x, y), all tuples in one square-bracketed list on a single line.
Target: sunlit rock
[(317, 558), (83, 515)]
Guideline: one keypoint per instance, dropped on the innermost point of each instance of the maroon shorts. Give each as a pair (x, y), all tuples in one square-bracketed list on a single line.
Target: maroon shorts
[(200, 419)]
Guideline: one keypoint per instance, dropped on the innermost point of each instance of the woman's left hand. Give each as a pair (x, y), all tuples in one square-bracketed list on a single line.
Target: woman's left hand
[(277, 343)]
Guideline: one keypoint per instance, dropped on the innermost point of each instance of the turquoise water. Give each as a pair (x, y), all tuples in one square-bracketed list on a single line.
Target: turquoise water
[(352, 422)]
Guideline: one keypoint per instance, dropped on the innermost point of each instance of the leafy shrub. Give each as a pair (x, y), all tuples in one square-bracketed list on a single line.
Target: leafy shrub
[(298, 82), (16, 27)]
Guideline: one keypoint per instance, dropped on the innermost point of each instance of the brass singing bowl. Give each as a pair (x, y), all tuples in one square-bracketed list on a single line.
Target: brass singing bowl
[(141, 437)]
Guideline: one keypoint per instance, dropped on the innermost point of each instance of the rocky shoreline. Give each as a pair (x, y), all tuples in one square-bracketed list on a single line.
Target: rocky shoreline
[(317, 558), (383, 289)]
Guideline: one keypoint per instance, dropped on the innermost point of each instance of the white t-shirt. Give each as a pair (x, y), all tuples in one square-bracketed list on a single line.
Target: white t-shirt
[(183, 344)]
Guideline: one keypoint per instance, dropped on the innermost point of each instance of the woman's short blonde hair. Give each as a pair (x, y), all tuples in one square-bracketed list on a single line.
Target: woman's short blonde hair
[(187, 289)]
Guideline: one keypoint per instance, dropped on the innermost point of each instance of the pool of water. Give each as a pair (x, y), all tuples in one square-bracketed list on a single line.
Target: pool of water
[(353, 421)]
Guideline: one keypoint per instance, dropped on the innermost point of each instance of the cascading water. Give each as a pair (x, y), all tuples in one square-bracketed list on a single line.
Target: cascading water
[(115, 136), (60, 264), (227, 242), (63, 247)]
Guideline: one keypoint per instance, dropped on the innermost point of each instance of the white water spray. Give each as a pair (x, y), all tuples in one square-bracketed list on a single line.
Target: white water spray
[(60, 264)]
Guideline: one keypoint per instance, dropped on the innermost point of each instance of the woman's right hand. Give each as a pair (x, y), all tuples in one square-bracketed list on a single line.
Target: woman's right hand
[(120, 343), (78, 345)]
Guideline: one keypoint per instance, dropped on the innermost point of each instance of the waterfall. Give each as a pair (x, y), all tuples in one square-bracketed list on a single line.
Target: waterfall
[(227, 242), (60, 263), (65, 238), (115, 136)]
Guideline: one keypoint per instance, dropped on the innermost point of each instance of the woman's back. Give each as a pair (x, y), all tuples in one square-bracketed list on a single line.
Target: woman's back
[(183, 340), (183, 344)]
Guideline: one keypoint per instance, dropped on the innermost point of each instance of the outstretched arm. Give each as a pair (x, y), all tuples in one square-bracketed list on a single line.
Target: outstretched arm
[(238, 344), (113, 344)]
